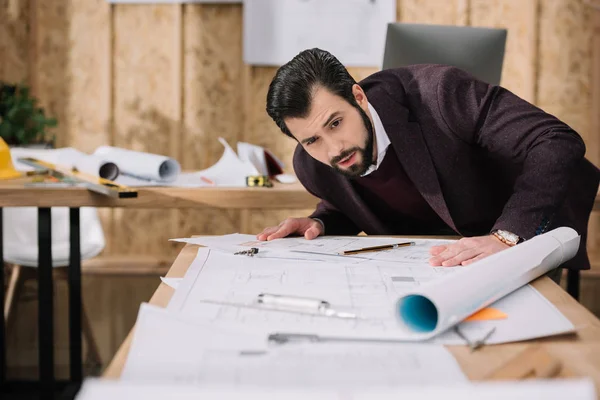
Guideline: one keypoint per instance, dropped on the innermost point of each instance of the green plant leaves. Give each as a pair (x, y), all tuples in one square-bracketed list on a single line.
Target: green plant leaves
[(21, 120)]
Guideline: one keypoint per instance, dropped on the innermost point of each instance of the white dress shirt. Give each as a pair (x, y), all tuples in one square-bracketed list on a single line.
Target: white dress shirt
[(381, 139)]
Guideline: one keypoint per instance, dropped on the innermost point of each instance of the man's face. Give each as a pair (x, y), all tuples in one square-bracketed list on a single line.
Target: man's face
[(336, 133)]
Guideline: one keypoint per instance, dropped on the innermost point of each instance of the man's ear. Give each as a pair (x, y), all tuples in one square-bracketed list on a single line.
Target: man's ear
[(359, 95)]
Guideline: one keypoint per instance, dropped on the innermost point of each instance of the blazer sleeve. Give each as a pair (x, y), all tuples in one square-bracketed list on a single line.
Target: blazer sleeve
[(544, 149), (334, 221)]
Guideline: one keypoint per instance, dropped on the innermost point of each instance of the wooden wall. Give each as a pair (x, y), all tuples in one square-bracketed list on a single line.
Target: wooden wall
[(170, 79)]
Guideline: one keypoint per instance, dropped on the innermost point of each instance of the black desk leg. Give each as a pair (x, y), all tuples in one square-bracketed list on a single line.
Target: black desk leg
[(75, 298), (573, 277), (2, 327), (45, 303)]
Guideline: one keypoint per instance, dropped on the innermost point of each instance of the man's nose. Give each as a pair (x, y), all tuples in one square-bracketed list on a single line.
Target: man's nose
[(335, 148)]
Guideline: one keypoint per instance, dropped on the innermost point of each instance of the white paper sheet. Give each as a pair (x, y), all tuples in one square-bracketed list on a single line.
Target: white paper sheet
[(68, 157), (325, 248), (171, 282), (257, 156), (153, 167), (223, 289), (277, 30), (229, 171), (558, 389), (433, 309), (168, 348)]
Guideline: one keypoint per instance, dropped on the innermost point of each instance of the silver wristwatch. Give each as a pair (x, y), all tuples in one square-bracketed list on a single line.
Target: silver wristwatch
[(507, 237)]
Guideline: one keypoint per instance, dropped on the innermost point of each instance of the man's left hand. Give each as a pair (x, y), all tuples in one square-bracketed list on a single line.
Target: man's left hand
[(465, 251)]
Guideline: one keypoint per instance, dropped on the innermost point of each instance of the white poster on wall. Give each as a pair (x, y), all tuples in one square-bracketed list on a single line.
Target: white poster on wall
[(172, 1), (352, 30)]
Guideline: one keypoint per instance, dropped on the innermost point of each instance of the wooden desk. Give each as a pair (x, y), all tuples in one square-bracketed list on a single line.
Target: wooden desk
[(579, 353), (280, 196), (14, 193)]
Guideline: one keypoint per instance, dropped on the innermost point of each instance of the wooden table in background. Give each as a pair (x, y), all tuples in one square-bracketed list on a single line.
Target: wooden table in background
[(15, 193), (579, 353)]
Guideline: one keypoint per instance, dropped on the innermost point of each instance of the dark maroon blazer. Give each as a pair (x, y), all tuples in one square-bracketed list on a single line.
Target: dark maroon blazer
[(482, 158)]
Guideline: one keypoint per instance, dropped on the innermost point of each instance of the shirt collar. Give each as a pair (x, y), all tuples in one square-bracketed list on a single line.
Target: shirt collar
[(381, 139)]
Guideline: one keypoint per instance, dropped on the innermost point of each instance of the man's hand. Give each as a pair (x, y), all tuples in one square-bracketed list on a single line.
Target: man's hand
[(465, 251), (308, 227)]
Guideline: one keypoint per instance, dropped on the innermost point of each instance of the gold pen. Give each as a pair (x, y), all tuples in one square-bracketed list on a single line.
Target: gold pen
[(378, 248)]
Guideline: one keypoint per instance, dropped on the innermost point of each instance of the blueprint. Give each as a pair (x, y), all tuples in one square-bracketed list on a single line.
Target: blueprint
[(223, 290)]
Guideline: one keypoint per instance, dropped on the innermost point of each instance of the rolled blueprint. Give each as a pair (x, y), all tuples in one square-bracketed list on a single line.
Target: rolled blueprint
[(445, 303), (69, 157), (94, 165), (141, 165)]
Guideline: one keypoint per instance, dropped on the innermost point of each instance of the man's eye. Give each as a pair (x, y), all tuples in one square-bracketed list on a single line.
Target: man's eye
[(310, 141), (336, 123)]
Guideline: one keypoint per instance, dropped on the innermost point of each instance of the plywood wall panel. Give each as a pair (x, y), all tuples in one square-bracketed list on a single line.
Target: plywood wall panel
[(51, 72), (90, 63), (565, 55), (433, 11), (213, 101), (520, 18), (14, 41), (147, 109)]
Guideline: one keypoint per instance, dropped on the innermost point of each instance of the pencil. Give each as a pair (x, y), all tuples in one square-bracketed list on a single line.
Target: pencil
[(378, 248)]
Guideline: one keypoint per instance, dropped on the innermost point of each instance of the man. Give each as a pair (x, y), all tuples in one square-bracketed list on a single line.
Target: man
[(428, 149)]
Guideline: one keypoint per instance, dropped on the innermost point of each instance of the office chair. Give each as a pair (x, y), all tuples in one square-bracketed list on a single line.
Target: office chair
[(478, 51)]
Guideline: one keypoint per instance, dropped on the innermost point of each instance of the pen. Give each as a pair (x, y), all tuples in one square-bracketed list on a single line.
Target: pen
[(378, 248), (321, 307)]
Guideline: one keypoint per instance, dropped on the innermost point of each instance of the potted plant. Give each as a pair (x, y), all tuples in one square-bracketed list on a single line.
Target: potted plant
[(22, 122)]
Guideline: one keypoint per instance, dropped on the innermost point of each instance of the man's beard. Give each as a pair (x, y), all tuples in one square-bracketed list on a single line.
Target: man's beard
[(366, 152)]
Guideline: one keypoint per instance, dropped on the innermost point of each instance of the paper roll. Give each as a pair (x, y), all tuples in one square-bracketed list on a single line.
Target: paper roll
[(93, 165), (68, 157), (141, 165), (445, 303)]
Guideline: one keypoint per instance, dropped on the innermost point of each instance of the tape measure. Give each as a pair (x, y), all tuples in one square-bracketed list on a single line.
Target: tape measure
[(259, 181), (74, 177)]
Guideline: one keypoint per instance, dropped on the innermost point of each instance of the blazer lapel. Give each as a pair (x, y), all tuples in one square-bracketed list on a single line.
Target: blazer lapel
[(407, 140)]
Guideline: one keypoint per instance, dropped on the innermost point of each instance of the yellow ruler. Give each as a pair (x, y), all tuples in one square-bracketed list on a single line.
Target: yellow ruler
[(73, 176)]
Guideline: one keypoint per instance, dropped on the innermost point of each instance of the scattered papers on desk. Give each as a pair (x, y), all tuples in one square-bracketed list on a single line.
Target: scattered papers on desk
[(168, 348), (138, 169), (558, 389), (216, 335), (223, 288)]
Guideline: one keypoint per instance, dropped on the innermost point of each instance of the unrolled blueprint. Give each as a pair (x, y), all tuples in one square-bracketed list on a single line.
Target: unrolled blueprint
[(168, 348), (223, 290)]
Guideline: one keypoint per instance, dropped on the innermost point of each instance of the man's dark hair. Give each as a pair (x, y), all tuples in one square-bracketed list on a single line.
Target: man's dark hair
[(292, 89)]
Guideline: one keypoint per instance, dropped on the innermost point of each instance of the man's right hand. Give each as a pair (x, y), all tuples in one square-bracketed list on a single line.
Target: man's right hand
[(307, 227)]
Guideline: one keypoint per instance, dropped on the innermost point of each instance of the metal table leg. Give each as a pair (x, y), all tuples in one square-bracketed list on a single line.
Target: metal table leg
[(45, 303), (75, 302), (573, 277)]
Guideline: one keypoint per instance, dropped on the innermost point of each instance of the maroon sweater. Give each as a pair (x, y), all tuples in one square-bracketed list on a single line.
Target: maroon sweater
[(390, 193)]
